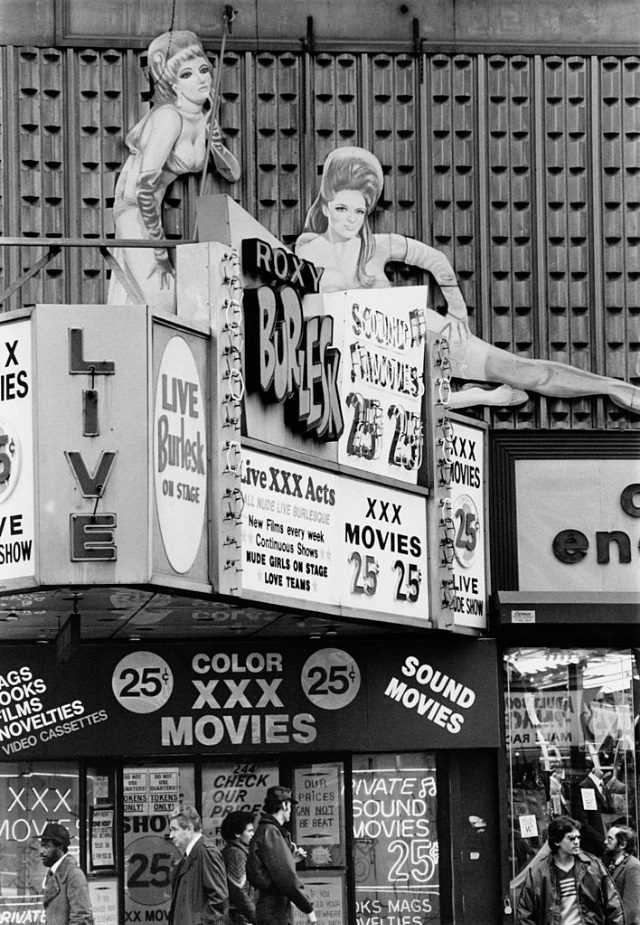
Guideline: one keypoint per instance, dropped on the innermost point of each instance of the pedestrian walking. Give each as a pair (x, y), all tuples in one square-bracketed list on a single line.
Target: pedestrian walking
[(66, 891), (199, 894), (272, 862), (568, 886), (237, 830)]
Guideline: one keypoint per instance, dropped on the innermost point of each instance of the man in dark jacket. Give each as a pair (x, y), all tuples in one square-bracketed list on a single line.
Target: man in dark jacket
[(591, 801), (237, 831), (199, 894), (624, 867), (66, 892), (568, 885), (272, 864)]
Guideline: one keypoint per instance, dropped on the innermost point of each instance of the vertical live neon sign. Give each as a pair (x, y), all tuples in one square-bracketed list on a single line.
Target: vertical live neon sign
[(92, 535)]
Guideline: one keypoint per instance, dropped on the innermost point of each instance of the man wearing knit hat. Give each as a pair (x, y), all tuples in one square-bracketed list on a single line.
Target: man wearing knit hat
[(66, 892), (271, 866)]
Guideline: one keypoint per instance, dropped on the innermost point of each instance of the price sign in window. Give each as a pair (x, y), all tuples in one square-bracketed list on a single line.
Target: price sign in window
[(319, 814), (150, 795), (395, 845), (235, 786)]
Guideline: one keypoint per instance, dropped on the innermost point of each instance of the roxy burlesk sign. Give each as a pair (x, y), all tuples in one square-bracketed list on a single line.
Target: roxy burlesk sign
[(347, 367), (290, 358)]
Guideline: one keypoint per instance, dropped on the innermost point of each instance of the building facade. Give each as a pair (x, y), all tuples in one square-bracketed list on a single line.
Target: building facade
[(269, 605)]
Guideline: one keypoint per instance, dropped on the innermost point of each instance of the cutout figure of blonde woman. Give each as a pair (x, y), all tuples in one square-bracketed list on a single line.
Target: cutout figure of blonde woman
[(337, 236), (170, 140)]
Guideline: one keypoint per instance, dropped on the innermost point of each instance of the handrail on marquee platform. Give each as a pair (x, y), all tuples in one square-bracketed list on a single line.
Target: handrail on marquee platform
[(55, 245)]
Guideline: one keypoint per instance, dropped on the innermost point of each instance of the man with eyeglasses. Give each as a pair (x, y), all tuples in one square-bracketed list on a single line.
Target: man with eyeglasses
[(624, 867), (568, 886)]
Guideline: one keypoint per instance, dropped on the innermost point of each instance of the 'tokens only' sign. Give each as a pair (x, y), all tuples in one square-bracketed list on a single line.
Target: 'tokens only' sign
[(204, 699)]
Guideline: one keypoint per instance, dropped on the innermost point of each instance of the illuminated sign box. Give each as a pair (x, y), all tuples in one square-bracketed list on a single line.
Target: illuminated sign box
[(18, 544), (353, 392), (203, 698), (336, 388), (318, 444), (329, 542), (120, 495)]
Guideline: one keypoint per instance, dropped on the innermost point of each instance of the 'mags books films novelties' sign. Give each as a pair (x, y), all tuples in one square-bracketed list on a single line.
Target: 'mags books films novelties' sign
[(240, 700)]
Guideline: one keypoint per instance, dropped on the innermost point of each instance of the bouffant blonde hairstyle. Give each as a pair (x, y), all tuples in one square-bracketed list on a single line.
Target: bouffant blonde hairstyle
[(166, 55)]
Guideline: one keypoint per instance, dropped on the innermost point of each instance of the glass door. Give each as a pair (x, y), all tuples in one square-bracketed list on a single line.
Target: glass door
[(150, 794), (395, 843), (571, 728)]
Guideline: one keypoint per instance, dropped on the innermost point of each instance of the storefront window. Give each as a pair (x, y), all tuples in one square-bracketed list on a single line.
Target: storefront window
[(101, 843), (395, 846), (319, 828), (150, 796), (570, 724), (30, 796)]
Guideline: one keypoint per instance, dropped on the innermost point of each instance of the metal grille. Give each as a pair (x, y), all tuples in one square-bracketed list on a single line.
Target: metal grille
[(524, 169)]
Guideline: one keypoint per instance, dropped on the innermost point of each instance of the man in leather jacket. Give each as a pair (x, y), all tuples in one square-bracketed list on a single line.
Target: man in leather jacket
[(568, 886), (271, 866)]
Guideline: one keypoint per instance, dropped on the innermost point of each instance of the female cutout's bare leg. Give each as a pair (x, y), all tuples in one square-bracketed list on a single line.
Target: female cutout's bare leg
[(473, 358)]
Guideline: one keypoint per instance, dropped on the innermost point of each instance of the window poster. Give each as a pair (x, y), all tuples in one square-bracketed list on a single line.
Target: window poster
[(317, 816), (150, 796), (101, 834), (234, 786), (104, 901), (395, 846), (327, 893), (135, 786)]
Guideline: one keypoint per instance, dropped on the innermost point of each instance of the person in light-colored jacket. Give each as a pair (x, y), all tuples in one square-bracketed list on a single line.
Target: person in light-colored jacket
[(66, 892)]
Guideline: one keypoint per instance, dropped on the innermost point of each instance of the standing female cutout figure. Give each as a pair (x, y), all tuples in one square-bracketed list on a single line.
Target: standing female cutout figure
[(170, 140), (337, 236)]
